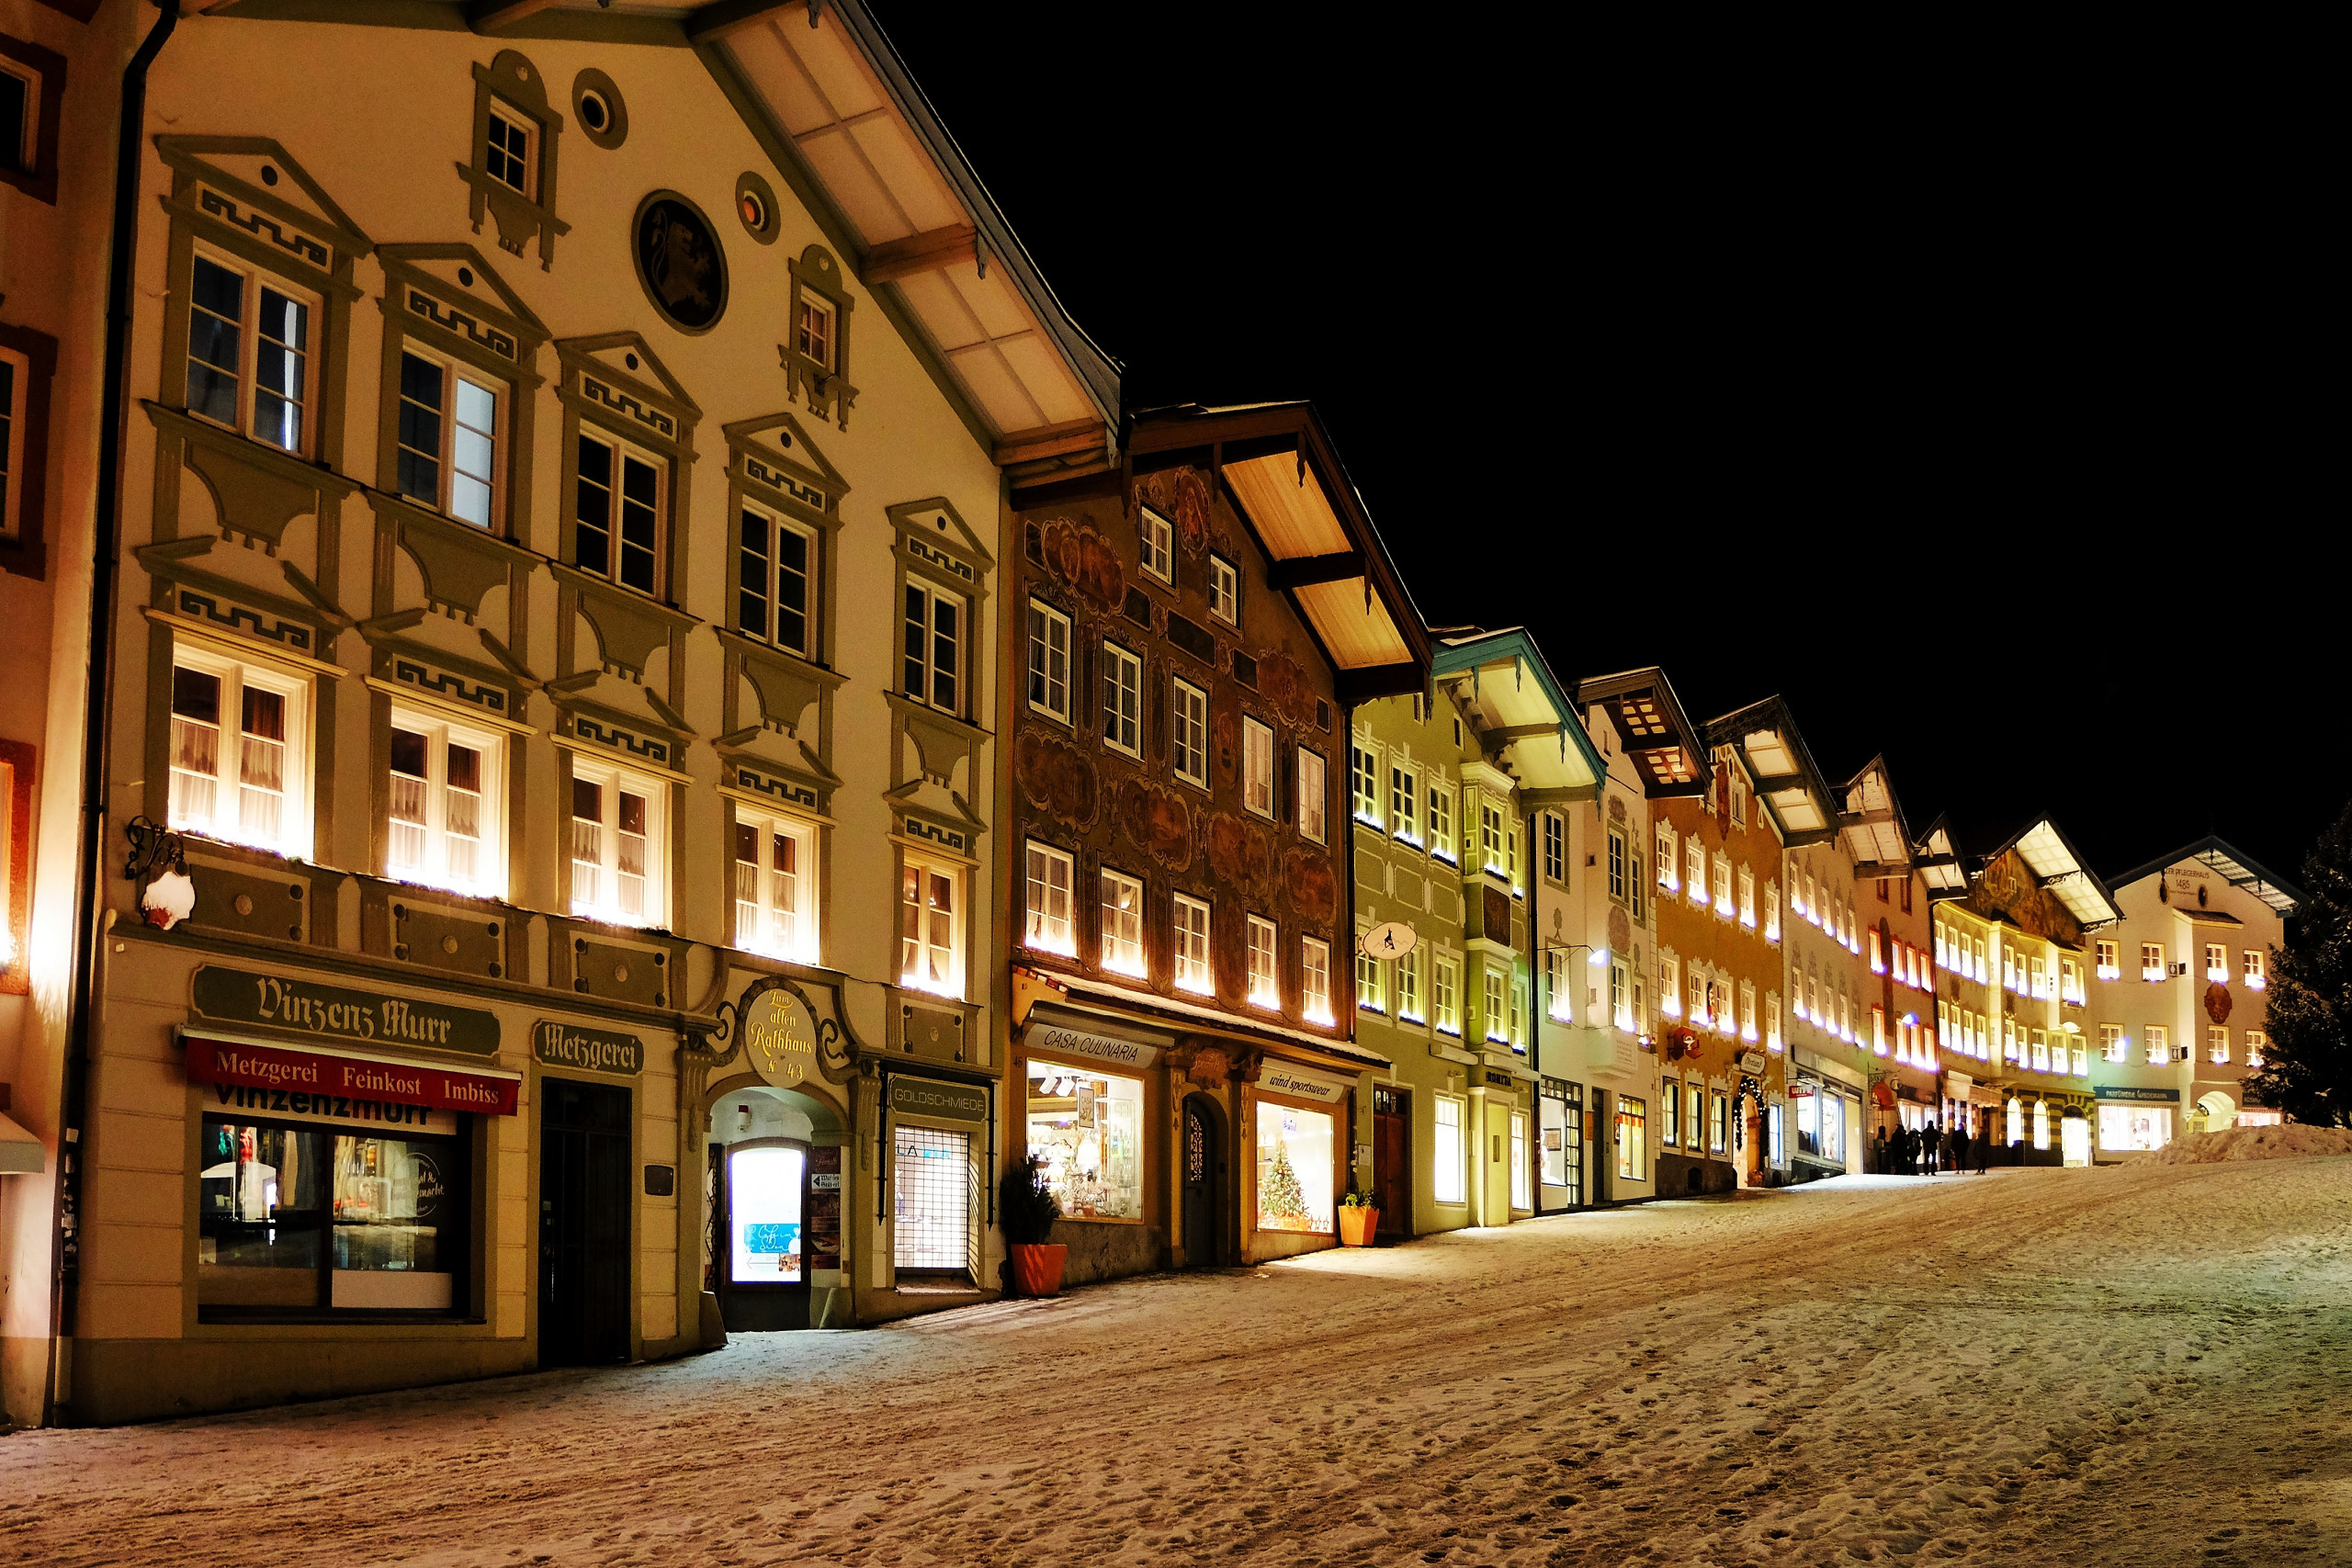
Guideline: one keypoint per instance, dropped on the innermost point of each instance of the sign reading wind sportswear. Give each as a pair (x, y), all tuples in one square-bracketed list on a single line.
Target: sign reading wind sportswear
[(339, 1012), (1297, 1083), (314, 1082)]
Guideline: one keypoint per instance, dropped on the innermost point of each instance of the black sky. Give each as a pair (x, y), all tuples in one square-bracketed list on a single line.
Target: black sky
[(1978, 393)]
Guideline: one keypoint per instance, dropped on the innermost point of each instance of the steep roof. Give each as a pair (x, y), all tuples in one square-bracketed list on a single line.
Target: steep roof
[(1871, 819), (1765, 738), (2238, 868), (2060, 868), (1659, 740), (1523, 711)]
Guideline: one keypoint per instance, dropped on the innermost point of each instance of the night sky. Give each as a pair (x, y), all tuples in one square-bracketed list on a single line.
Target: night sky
[(1974, 413)]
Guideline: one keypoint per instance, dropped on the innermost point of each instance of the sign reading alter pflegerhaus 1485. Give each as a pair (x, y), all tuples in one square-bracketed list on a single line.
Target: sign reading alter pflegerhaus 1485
[(337, 1012)]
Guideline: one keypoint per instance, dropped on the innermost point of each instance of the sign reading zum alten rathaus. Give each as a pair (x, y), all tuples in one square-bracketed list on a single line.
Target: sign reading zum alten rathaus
[(339, 1012)]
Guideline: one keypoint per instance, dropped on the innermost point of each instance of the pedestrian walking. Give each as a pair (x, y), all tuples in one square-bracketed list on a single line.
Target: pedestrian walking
[(1878, 1152), (1928, 1149)]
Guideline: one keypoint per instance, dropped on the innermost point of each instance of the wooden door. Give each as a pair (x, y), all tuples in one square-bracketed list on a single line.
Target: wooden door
[(584, 1222), (1392, 1163)]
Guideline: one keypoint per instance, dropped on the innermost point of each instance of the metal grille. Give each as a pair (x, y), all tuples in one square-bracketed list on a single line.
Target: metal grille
[(935, 1212), (1196, 1153)]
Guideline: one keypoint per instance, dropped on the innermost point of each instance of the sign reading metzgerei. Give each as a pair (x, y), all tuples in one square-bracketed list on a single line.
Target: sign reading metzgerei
[(339, 1012), (586, 1050)]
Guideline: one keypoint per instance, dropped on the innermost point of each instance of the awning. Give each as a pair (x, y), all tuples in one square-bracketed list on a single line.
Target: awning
[(20, 1153)]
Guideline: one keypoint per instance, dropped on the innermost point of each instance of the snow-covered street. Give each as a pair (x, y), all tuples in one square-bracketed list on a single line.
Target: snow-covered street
[(2038, 1366)]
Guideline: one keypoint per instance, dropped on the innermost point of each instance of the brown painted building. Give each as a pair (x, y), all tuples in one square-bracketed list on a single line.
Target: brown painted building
[(1899, 979), (1191, 631)]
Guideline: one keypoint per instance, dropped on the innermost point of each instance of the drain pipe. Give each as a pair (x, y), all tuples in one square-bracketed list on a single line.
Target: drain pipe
[(113, 431)]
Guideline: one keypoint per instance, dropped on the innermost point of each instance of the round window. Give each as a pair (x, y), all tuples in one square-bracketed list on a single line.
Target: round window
[(755, 206), (594, 112), (755, 210), (599, 109)]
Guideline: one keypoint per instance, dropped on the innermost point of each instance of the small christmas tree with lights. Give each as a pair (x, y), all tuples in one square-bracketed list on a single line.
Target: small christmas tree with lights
[(1280, 1197)]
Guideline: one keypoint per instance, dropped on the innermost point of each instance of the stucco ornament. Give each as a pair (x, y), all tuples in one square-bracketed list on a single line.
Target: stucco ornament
[(2217, 1002)]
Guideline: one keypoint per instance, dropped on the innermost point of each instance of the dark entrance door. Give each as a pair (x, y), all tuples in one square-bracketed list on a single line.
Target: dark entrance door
[(1203, 1163), (584, 1212), (1392, 1163)]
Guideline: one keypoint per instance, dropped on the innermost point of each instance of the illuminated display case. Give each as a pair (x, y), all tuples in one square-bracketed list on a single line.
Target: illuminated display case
[(1087, 1128), (1294, 1164)]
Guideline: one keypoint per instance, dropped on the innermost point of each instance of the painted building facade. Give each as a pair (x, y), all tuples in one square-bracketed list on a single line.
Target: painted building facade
[(550, 768), (1899, 974), (1194, 629), (2178, 997)]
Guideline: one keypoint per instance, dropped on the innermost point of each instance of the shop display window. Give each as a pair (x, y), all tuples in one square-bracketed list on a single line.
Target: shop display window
[(2129, 1127), (1086, 1127), (314, 1219), (1445, 1161), (1808, 1123), (1294, 1165), (764, 1185)]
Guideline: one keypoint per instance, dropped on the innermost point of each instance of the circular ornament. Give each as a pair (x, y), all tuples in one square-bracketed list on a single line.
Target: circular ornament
[(679, 262)]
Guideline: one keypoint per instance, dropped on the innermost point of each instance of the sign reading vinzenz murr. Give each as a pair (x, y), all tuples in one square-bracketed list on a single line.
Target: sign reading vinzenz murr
[(586, 1050), (337, 1012)]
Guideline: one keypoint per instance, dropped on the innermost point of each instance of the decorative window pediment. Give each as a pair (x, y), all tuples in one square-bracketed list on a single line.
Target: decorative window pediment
[(935, 539), (511, 166), (247, 195), (774, 462)]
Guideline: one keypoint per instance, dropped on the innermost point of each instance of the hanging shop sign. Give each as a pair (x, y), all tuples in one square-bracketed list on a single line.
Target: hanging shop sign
[(339, 1012), (1298, 1083), (779, 1038), (2137, 1095), (586, 1050), (1046, 1038), (316, 1082), (913, 1096), (1802, 1089), (1390, 939), (1751, 1061)]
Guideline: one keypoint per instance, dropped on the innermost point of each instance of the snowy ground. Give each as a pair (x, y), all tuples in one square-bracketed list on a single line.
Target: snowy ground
[(2142, 1365)]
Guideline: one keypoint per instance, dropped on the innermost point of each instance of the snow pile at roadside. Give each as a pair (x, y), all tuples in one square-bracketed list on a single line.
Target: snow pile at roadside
[(2255, 1143)]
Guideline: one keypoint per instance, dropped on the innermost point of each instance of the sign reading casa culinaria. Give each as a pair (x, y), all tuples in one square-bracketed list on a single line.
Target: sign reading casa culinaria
[(339, 1012), (586, 1050), (325, 1079)]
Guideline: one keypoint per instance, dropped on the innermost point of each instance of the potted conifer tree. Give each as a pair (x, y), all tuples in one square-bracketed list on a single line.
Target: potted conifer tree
[(1027, 1209)]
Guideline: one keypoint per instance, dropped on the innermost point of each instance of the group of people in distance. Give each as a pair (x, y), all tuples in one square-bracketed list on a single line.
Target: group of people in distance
[(1926, 1151)]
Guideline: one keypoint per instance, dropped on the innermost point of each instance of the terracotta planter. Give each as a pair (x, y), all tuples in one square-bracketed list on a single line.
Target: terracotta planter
[(1037, 1271), (1357, 1226)]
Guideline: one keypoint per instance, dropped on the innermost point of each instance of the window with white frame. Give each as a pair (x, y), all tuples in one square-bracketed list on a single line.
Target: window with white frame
[(1265, 991), (1694, 876), (1121, 922), (1492, 837), (1363, 784), (1225, 590), (816, 332), (1747, 1010), (1748, 897), (1670, 985), (240, 751), (1048, 925), (2070, 981), (20, 106), (931, 933), (2112, 1045), (250, 354), (1618, 870), (1445, 994), (618, 845), (2159, 1046), (1771, 911), (1771, 1021), (1368, 996), (2217, 1045), (1517, 1016), (1445, 1153), (1667, 843), (2257, 1048), (2110, 968), (511, 157), (774, 572), (932, 647), (1404, 802), (1722, 886), (1155, 541), (450, 440), (2217, 964), (1257, 767), (1493, 1020), (1556, 847), (1048, 660), (1122, 700), (775, 885), (442, 822), (16, 371), (619, 494), (1620, 994), (1521, 1190), (1441, 819), (2258, 972), (1409, 986), (1190, 736), (1313, 795), (2152, 961), (1314, 978), (1192, 946)]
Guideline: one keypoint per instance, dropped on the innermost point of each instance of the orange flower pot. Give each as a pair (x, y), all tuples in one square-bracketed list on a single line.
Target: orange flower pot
[(1037, 1271), (1357, 1226)]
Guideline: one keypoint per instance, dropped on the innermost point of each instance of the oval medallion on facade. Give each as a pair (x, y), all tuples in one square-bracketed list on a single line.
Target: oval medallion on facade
[(679, 261)]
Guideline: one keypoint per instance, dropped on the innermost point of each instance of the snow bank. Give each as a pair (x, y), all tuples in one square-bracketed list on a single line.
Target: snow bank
[(2255, 1143)]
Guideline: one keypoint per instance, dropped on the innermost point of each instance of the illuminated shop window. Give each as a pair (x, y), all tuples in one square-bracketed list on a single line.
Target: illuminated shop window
[(1445, 1152), (1632, 1139), (1295, 1170), (1085, 1128)]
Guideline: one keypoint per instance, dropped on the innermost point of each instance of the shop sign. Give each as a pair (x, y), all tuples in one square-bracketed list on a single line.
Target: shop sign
[(1802, 1089), (826, 1181), (586, 1050), (1390, 939), (1297, 1083), (934, 1097), (779, 1037), (1498, 1080), (330, 1086), (338, 1012), (2141, 1096), (1751, 1061), (1059, 1040)]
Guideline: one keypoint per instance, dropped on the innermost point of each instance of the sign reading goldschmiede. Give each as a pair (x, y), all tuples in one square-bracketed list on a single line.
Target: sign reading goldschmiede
[(913, 1096), (586, 1050), (337, 1012)]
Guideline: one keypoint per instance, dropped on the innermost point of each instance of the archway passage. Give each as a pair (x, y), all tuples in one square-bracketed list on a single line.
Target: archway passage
[(774, 1187), (2220, 1112)]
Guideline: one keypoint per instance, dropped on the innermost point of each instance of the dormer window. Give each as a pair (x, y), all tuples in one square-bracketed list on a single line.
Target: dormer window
[(507, 155), (815, 330)]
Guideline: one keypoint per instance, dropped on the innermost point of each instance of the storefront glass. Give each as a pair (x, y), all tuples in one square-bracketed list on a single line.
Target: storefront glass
[(2129, 1127), (1294, 1165), (304, 1218), (1808, 1104), (1562, 1131), (1633, 1138), (1521, 1198), (764, 1210), (1087, 1126), (1833, 1127), (1445, 1152)]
